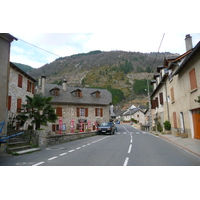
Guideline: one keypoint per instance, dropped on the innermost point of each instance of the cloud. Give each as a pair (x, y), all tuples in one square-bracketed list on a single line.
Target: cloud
[(66, 44)]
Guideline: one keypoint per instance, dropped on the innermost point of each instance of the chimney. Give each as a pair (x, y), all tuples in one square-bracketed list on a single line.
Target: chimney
[(188, 42), (43, 84), (64, 85), (39, 82)]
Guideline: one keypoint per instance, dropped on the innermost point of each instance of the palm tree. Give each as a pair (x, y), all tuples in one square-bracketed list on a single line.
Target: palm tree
[(39, 110)]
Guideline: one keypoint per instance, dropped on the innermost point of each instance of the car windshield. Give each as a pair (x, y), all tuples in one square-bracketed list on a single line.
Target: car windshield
[(106, 124)]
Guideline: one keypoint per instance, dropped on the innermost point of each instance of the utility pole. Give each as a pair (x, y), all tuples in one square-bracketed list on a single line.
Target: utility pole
[(150, 114)]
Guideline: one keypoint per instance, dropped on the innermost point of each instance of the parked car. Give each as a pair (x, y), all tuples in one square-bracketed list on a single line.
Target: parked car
[(106, 127)]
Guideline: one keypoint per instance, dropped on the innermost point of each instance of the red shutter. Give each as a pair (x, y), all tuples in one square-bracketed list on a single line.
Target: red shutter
[(175, 121), (33, 88), (161, 98), (193, 81), (53, 127), (9, 102), (20, 80), (172, 94), (101, 112), (96, 112), (86, 112), (59, 111), (77, 112), (19, 104), (156, 101)]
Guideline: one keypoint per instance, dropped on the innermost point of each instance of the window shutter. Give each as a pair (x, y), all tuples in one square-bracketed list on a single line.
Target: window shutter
[(33, 88), (53, 127), (59, 111), (193, 81), (9, 102), (175, 121), (86, 112), (172, 94), (101, 112), (77, 112), (80, 94), (96, 112), (161, 98), (20, 80), (19, 104)]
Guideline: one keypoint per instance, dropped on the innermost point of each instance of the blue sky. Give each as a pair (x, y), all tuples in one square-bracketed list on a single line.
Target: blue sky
[(66, 44)]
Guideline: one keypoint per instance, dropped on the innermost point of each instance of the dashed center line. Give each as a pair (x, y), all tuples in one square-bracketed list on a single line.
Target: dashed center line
[(62, 154), (78, 147), (71, 150), (53, 158), (129, 150), (126, 161), (40, 163)]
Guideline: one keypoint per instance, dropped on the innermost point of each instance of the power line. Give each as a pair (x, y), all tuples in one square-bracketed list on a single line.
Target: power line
[(39, 47)]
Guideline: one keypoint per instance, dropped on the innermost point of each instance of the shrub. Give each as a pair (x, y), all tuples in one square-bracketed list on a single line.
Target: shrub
[(159, 127), (167, 125)]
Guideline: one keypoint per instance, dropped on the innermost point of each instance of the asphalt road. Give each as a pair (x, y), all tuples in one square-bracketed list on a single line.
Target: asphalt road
[(128, 147)]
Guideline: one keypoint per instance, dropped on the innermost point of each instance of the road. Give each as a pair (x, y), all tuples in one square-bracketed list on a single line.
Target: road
[(128, 147)]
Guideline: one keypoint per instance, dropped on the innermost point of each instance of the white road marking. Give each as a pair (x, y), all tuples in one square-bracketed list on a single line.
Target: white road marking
[(88, 144), (144, 132), (137, 132), (84, 146), (125, 133), (78, 147), (126, 161), (71, 150), (131, 140), (62, 154), (53, 158), (129, 150), (38, 164)]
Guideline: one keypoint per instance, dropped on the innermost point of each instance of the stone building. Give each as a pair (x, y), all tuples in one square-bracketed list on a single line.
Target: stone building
[(77, 108), (5, 41), (20, 86)]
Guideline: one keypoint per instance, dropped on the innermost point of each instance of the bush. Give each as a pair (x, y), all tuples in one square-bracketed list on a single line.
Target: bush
[(159, 127), (167, 125)]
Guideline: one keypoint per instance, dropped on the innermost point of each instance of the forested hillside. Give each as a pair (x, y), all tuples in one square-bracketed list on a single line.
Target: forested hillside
[(117, 71)]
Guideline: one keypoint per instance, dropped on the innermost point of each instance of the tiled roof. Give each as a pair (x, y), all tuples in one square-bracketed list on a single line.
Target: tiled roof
[(66, 97)]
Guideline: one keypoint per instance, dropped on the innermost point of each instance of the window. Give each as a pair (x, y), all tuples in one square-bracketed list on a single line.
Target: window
[(19, 105), (172, 95), (82, 112), (161, 98), (59, 111), (98, 112), (29, 86), (33, 88), (55, 91), (193, 81), (9, 102), (55, 127), (20, 79)]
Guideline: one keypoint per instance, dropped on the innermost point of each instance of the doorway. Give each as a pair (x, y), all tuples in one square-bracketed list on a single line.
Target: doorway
[(196, 123)]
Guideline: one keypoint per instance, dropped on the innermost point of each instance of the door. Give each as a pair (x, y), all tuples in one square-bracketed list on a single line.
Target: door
[(196, 123)]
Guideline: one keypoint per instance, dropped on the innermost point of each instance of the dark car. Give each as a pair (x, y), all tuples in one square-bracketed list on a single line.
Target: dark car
[(106, 127)]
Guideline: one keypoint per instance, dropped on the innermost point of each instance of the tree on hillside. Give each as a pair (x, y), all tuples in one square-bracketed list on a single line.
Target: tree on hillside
[(140, 87), (39, 110)]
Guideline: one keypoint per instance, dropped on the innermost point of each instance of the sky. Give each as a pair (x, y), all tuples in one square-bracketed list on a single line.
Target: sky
[(55, 45)]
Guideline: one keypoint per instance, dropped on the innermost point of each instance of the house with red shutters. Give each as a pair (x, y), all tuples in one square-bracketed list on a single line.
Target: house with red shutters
[(176, 87), (78, 109), (20, 85)]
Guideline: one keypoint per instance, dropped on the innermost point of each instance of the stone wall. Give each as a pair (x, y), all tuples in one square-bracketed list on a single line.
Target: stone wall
[(42, 138)]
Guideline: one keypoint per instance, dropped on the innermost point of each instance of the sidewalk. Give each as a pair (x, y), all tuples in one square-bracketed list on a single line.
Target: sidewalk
[(189, 144)]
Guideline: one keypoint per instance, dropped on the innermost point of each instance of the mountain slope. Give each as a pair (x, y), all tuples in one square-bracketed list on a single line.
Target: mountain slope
[(114, 69)]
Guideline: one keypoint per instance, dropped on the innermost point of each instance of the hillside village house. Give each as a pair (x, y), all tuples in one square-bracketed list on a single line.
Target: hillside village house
[(77, 108), (175, 89), (5, 41), (20, 85)]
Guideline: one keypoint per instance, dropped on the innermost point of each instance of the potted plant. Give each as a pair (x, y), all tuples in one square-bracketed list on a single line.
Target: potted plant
[(167, 126)]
